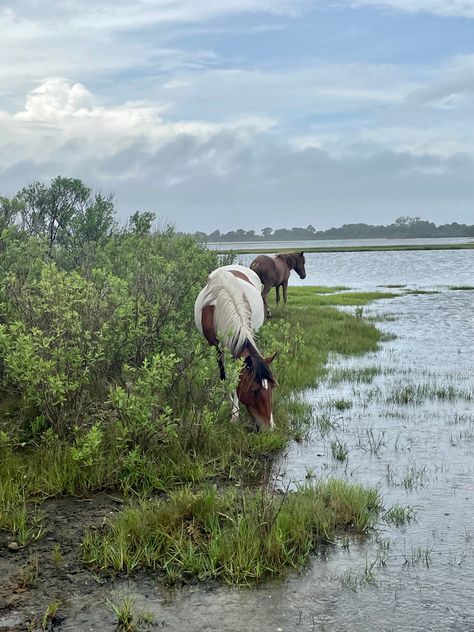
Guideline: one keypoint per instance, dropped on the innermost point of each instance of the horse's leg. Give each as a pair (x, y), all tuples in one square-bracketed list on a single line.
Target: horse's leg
[(277, 290), (285, 287), (235, 407), (265, 291), (207, 321), (220, 362)]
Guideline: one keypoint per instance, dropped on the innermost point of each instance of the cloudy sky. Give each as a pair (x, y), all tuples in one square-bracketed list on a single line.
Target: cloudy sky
[(245, 113)]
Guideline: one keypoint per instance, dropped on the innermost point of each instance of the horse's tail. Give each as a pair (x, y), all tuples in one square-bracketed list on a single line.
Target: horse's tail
[(255, 266), (232, 315)]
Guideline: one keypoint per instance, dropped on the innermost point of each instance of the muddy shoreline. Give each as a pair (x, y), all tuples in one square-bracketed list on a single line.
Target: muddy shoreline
[(50, 569)]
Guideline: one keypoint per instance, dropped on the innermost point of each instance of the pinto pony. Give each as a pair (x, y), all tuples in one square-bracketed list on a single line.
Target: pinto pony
[(227, 312), (275, 272)]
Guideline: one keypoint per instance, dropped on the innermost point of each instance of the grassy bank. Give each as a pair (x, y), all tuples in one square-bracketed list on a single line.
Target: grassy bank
[(239, 536), (262, 250), (202, 447)]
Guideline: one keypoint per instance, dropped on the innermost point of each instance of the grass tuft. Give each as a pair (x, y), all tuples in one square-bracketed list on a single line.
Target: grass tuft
[(399, 515)]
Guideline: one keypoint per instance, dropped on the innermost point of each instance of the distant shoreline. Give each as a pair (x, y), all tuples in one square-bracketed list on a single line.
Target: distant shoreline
[(328, 249)]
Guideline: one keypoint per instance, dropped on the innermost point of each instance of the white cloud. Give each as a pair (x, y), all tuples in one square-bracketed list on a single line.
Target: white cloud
[(54, 98), (59, 114), (207, 175)]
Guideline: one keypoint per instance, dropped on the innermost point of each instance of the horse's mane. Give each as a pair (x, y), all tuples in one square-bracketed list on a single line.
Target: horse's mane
[(290, 258), (257, 365), (232, 315)]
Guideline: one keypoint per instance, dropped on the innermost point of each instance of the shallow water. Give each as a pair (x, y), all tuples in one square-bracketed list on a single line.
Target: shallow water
[(418, 454)]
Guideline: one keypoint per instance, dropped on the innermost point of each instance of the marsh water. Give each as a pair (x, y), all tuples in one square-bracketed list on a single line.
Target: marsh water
[(403, 419)]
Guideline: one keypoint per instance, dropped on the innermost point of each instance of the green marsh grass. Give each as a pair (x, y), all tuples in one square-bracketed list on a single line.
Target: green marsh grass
[(363, 375), (354, 580), (57, 555), (414, 477), (341, 404), (325, 424), (372, 441), (123, 612), (339, 449), (50, 614), (323, 330), (399, 515), (29, 574), (127, 616), (207, 448), (418, 393), (239, 536)]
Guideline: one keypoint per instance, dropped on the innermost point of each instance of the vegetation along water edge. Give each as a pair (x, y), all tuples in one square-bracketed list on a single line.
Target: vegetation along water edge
[(108, 392), (365, 248)]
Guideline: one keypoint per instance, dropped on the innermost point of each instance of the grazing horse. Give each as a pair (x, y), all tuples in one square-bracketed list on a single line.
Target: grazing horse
[(275, 272), (228, 311)]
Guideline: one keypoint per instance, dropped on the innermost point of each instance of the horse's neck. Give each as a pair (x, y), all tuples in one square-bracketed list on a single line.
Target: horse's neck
[(288, 259)]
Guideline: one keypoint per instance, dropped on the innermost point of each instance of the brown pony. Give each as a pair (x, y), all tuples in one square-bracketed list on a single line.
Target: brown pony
[(275, 272)]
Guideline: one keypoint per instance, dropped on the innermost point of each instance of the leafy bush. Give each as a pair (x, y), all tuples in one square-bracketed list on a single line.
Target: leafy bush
[(74, 341)]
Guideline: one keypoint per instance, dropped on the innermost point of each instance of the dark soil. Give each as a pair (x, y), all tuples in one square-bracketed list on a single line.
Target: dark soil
[(31, 578)]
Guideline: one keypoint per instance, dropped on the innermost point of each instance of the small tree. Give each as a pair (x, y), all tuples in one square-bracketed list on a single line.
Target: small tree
[(10, 210), (65, 212), (141, 223)]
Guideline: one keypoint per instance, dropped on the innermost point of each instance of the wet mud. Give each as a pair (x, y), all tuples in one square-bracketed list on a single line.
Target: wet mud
[(49, 569)]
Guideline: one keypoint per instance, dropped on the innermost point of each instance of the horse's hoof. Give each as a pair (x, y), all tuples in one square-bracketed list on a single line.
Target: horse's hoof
[(269, 315)]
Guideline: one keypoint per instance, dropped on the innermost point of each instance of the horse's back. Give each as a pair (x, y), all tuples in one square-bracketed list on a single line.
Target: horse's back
[(247, 273), (265, 268), (248, 287)]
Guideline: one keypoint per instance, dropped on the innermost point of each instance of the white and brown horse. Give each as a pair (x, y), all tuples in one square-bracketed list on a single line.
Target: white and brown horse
[(228, 311)]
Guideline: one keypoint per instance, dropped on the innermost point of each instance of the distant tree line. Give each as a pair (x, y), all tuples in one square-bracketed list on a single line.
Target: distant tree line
[(402, 228)]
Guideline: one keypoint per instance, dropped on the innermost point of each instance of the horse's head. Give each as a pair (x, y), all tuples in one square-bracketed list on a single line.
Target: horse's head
[(299, 266), (255, 388)]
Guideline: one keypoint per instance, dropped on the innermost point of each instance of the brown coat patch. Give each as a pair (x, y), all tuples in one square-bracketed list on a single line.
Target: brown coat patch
[(240, 275)]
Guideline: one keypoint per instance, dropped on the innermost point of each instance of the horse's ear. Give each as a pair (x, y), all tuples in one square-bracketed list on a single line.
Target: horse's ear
[(270, 359), (301, 253)]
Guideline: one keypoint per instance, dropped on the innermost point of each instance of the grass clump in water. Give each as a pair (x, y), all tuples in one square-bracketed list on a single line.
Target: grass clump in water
[(339, 450), (238, 537), (399, 515), (128, 618), (418, 393), (363, 375)]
